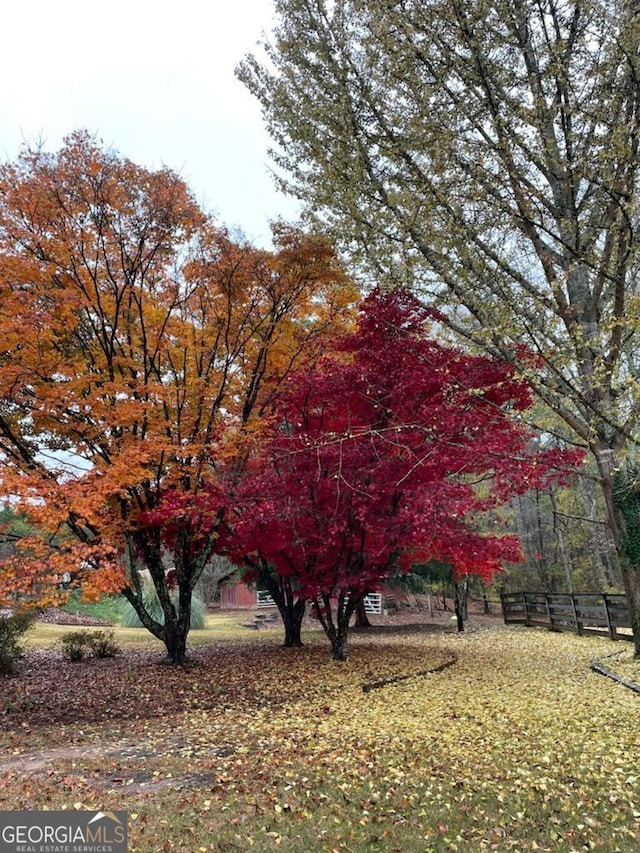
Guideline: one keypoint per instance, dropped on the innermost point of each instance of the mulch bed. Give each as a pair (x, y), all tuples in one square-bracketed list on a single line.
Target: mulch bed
[(50, 690)]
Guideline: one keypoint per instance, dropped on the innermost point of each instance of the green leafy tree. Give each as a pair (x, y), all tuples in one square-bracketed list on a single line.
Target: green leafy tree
[(486, 154)]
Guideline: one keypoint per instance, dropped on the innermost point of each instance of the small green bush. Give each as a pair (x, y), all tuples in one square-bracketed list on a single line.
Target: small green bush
[(76, 644), (130, 618), (12, 630), (103, 644)]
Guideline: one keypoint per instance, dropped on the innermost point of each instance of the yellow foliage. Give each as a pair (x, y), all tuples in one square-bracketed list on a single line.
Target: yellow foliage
[(518, 746)]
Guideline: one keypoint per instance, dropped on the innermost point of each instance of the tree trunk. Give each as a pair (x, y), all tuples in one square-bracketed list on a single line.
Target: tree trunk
[(339, 644), (175, 641), (362, 619), (631, 580), (486, 606), (337, 631), (173, 633), (174, 630), (177, 624), (292, 615), (625, 525), (600, 537), (459, 606), (340, 636), (290, 606)]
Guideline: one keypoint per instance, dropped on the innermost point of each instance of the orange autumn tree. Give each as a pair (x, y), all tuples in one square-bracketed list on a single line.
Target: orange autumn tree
[(139, 345)]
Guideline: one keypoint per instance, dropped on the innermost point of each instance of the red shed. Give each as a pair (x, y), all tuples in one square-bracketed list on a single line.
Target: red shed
[(236, 595)]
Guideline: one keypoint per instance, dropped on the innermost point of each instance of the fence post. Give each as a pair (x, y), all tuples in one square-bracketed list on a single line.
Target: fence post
[(610, 626), (527, 617), (575, 615), (502, 604)]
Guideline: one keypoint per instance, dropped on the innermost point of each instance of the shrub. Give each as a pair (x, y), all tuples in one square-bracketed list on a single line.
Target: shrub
[(130, 618), (76, 644), (12, 630), (103, 644)]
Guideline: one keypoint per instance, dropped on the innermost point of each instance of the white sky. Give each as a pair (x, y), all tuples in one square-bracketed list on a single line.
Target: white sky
[(155, 81)]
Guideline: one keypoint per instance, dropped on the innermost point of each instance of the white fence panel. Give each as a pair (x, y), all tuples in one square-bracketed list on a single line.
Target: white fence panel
[(373, 603)]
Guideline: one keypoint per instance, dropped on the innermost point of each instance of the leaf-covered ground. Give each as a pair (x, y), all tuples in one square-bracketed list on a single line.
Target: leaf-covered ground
[(516, 746)]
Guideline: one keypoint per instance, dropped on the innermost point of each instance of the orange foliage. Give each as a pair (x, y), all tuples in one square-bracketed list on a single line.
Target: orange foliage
[(140, 344)]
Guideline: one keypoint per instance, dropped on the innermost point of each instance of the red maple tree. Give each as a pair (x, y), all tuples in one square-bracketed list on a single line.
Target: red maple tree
[(387, 452)]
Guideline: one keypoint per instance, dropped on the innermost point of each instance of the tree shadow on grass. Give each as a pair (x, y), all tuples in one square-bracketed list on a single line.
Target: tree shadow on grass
[(407, 628)]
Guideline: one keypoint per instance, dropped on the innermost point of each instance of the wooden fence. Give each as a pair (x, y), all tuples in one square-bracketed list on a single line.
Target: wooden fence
[(586, 613)]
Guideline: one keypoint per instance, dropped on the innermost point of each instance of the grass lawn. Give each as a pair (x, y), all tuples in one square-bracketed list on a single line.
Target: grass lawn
[(107, 608), (517, 746), (220, 628)]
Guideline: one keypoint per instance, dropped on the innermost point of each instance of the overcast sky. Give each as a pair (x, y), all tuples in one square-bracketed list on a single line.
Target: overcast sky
[(156, 82)]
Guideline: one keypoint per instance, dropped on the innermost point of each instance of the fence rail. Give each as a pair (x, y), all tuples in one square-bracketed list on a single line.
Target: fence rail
[(264, 598), (373, 602), (586, 613)]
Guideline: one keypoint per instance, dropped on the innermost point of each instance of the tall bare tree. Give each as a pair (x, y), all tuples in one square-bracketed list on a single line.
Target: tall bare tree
[(486, 155)]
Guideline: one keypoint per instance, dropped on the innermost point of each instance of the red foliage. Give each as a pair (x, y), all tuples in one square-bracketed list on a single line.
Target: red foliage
[(386, 453)]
